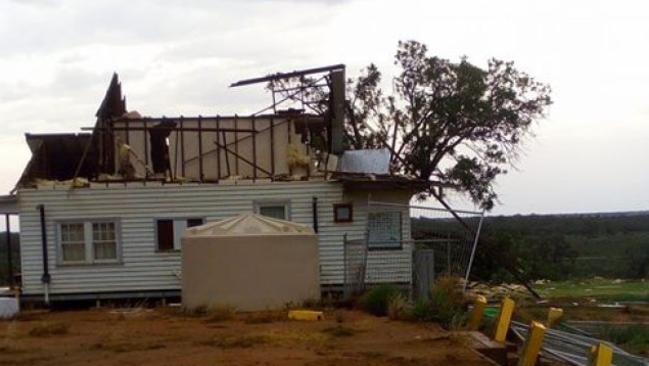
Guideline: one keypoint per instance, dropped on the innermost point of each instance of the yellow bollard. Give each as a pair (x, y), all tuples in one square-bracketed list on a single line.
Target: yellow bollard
[(554, 314), (476, 314), (600, 355), (532, 345), (503, 320), (305, 315)]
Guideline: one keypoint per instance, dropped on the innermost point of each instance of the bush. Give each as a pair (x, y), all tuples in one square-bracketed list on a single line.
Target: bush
[(398, 308), (444, 306), (376, 300)]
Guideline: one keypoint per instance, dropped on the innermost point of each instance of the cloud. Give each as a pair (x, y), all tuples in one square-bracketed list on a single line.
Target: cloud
[(178, 57)]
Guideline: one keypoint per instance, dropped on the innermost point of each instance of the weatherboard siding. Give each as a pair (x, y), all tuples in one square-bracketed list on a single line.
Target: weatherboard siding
[(135, 208)]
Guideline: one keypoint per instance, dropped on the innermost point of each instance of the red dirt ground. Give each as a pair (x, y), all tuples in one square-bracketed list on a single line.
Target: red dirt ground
[(164, 336)]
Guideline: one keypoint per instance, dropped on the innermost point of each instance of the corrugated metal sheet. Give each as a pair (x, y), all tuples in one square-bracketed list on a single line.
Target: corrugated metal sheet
[(136, 207), (375, 161)]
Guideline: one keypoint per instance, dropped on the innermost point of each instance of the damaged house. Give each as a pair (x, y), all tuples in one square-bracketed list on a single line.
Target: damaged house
[(102, 211)]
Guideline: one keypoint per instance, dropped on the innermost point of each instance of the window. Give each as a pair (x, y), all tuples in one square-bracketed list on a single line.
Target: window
[(73, 244), (88, 242), (103, 241), (170, 231), (384, 230), (343, 212), (277, 210)]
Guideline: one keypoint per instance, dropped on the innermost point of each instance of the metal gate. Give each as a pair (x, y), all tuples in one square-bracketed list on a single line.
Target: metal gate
[(442, 243)]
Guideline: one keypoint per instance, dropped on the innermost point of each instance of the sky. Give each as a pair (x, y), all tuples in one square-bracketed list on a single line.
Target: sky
[(590, 153)]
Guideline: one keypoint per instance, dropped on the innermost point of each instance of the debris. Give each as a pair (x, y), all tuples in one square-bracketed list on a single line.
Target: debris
[(305, 315), (496, 292), (365, 161)]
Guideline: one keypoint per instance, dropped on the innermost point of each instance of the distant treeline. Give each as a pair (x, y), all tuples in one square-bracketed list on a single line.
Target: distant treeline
[(561, 246), (15, 250)]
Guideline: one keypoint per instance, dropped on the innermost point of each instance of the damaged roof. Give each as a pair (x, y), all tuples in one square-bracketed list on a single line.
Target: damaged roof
[(56, 156)]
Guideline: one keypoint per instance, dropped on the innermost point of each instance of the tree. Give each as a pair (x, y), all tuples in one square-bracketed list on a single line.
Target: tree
[(453, 123)]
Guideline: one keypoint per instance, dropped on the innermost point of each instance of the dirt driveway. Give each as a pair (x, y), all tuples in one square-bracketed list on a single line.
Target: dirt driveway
[(166, 337)]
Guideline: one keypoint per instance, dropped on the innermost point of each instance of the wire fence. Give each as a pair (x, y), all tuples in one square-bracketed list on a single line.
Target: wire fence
[(355, 264), (411, 245)]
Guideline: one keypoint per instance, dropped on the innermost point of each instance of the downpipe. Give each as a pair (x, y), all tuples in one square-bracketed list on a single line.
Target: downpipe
[(45, 278)]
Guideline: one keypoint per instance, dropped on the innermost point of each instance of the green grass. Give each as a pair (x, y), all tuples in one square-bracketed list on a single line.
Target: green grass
[(600, 289), (633, 338)]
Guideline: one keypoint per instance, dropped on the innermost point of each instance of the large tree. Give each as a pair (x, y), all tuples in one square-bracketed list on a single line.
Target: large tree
[(451, 122)]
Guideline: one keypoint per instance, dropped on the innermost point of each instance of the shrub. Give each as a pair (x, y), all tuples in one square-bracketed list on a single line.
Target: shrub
[(376, 300), (398, 308), (444, 306)]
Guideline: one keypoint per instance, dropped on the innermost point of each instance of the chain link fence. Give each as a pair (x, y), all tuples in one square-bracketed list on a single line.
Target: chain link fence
[(411, 245)]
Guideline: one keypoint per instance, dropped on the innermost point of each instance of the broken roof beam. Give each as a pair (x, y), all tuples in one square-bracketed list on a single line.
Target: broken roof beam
[(186, 129), (288, 75), (212, 119)]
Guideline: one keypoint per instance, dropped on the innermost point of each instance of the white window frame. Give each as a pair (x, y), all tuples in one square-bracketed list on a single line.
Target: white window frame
[(89, 247), (179, 226), (270, 203)]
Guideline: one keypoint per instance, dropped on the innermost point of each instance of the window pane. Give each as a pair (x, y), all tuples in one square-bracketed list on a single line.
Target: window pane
[(194, 222), (73, 252), (72, 232), (277, 211), (384, 229), (105, 250), (343, 213), (165, 229), (72, 242), (103, 239)]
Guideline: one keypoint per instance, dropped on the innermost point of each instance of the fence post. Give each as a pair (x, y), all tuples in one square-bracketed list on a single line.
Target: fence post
[(476, 314), (503, 320), (600, 355), (532, 346), (554, 314), (475, 245)]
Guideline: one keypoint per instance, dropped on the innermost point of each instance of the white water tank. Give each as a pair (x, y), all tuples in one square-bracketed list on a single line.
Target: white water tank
[(251, 262)]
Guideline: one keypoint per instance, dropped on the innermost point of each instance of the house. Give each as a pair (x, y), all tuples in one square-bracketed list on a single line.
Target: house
[(102, 211)]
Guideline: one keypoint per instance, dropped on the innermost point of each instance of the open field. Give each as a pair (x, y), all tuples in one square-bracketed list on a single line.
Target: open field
[(599, 289), (165, 336), (615, 310)]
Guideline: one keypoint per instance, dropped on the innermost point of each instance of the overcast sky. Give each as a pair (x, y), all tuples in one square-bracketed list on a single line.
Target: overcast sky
[(178, 57)]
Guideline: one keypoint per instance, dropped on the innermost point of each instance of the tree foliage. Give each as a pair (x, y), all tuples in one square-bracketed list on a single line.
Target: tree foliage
[(451, 122)]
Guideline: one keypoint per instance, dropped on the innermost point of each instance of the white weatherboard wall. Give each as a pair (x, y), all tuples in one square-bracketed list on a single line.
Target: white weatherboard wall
[(135, 207), (383, 265)]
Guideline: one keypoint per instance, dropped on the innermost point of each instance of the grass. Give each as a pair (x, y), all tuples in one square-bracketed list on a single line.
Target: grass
[(265, 317), (376, 300), (398, 308), (124, 346), (444, 306), (243, 341), (220, 313), (633, 338), (49, 329), (339, 331), (598, 288)]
